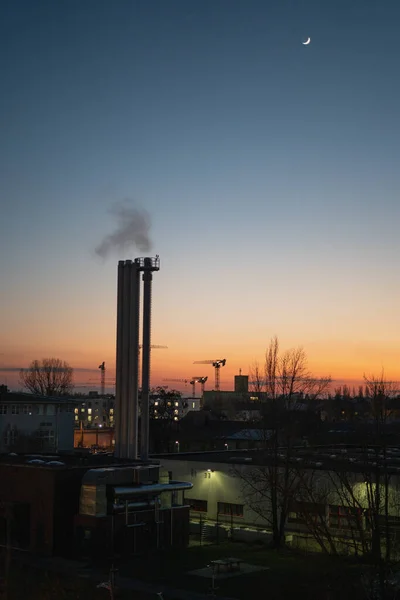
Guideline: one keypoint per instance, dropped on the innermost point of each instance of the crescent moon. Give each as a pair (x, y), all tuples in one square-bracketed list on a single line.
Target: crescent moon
[(306, 42)]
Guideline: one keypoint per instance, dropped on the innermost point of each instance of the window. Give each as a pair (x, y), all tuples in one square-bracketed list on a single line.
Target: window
[(45, 436), (10, 437), (76, 418), (111, 411), (193, 404), (306, 512), (89, 411), (90, 418), (176, 412), (234, 510), (197, 505), (3, 409), (27, 409), (14, 409), (344, 517), (76, 411), (176, 403), (83, 410)]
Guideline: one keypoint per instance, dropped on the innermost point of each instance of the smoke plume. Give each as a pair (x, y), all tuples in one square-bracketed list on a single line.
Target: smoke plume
[(133, 227)]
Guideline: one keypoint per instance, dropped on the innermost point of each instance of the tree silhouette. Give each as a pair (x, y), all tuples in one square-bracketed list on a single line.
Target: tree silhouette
[(48, 377)]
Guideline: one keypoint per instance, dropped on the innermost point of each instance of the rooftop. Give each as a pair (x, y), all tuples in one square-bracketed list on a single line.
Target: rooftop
[(25, 397), (76, 459), (338, 458)]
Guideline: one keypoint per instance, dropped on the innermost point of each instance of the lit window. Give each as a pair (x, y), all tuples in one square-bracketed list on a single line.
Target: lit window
[(76, 411), (111, 411), (176, 412), (168, 403), (155, 411), (176, 403), (89, 418), (76, 418), (111, 419), (156, 403), (82, 410), (193, 404), (89, 411), (176, 419)]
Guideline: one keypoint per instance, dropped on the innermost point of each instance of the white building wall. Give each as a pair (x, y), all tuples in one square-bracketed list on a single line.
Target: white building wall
[(216, 482), (48, 419), (213, 482)]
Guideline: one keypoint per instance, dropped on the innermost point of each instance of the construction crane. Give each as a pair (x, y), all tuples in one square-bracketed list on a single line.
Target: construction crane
[(202, 381), (185, 381), (217, 364), (152, 347)]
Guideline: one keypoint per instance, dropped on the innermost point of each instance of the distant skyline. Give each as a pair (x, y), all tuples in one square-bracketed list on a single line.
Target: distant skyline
[(269, 171)]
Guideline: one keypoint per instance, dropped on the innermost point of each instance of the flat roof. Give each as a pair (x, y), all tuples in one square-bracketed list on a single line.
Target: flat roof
[(25, 397), (338, 457), (69, 460)]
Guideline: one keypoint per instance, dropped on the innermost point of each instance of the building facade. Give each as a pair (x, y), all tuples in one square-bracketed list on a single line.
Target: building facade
[(336, 500), (35, 423), (94, 410)]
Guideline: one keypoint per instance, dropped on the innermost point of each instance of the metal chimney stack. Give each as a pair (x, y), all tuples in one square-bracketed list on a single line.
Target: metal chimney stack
[(126, 392), (126, 382)]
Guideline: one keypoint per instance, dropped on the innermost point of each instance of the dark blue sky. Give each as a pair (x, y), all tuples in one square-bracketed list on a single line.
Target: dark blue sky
[(240, 141)]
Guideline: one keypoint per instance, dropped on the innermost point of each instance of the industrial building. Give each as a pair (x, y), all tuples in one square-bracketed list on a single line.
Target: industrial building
[(86, 505), (219, 498), (239, 403), (75, 503), (34, 423)]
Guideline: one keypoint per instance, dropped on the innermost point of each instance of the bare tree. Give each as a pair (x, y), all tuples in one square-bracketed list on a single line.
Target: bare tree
[(48, 377), (287, 383), (256, 378), (363, 500)]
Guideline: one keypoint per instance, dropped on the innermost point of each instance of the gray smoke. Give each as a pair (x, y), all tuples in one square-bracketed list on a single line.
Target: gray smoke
[(133, 227)]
